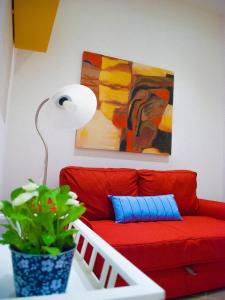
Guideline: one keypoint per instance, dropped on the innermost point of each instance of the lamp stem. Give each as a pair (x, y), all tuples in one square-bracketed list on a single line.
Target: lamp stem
[(45, 145)]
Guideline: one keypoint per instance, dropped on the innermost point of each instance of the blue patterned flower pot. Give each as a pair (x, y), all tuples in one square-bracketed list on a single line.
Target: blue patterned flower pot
[(41, 274)]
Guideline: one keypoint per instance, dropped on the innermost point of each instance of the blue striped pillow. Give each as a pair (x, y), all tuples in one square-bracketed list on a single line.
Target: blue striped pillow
[(145, 208)]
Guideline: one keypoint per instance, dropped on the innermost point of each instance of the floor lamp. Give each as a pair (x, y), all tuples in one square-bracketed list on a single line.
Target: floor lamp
[(74, 103)]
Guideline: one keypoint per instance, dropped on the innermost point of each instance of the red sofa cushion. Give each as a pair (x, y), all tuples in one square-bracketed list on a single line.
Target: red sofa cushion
[(180, 183), (93, 185), (166, 244)]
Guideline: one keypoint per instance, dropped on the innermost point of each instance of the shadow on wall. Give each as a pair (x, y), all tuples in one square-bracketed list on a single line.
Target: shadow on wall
[(122, 155), (21, 57), (2, 151)]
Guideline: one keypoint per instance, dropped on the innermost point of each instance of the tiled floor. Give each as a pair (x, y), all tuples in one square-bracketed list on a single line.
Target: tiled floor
[(214, 295)]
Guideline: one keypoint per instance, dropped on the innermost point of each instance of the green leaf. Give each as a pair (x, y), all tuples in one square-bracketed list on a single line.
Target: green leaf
[(31, 180), (73, 215), (7, 226), (51, 250), (33, 238), (64, 189), (3, 242), (68, 242), (62, 208), (48, 239), (4, 200), (44, 195), (20, 217), (66, 233), (42, 188), (17, 192), (53, 195), (11, 237), (30, 249), (46, 220), (7, 208), (27, 248), (62, 198)]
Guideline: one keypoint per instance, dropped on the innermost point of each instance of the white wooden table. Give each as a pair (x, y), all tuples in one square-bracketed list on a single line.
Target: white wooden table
[(83, 284)]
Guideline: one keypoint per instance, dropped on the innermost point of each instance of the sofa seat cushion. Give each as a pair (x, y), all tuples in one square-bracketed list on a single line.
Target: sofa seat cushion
[(93, 185), (166, 244), (181, 183)]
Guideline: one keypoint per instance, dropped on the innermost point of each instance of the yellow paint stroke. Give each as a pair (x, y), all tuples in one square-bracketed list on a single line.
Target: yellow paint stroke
[(83, 133), (115, 77), (166, 121), (99, 133), (108, 109), (144, 70), (108, 62), (154, 151), (109, 94)]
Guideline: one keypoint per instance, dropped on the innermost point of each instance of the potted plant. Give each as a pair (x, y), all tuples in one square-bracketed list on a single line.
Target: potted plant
[(41, 242)]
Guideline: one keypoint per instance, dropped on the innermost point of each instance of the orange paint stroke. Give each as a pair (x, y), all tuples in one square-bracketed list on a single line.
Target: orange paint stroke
[(95, 59)]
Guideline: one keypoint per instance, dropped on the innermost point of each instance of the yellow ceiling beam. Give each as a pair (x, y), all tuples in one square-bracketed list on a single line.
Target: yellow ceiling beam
[(33, 23)]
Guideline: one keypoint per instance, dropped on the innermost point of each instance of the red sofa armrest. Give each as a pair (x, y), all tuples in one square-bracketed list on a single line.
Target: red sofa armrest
[(211, 208)]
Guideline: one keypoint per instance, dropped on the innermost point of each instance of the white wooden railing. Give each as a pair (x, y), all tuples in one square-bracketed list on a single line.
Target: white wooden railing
[(139, 285)]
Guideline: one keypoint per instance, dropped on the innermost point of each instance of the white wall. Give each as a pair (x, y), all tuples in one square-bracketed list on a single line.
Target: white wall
[(224, 113), (164, 33), (2, 149), (6, 47)]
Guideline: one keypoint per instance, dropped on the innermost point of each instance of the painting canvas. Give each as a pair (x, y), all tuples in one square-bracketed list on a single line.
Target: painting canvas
[(134, 110)]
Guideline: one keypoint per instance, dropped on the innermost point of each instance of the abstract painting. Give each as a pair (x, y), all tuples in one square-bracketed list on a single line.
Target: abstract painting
[(134, 110)]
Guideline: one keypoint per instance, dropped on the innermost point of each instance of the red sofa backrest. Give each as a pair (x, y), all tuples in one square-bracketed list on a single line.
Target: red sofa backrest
[(93, 185), (180, 183)]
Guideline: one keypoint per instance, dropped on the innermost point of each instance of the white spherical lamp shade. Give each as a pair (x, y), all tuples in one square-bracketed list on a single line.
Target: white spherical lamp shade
[(76, 105)]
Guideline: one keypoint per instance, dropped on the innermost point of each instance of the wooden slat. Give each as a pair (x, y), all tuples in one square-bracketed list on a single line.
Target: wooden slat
[(77, 238), (104, 274), (92, 260), (84, 248), (112, 278)]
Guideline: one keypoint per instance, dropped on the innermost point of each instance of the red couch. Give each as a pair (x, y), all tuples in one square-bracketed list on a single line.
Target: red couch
[(183, 257)]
